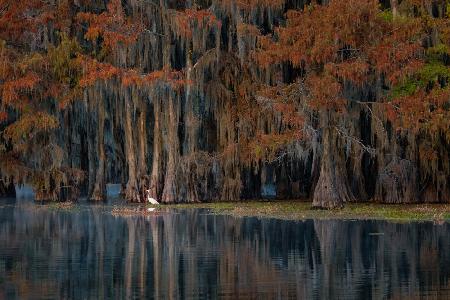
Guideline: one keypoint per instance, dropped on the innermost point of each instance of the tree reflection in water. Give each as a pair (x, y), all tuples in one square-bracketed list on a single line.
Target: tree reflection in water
[(89, 253)]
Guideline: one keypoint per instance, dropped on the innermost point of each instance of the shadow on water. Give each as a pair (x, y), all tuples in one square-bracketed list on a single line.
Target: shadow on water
[(88, 253)]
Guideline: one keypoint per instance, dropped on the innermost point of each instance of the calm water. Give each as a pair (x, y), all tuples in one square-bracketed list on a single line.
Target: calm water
[(88, 253)]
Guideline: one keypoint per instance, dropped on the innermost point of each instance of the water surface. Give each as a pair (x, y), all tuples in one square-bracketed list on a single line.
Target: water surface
[(87, 253)]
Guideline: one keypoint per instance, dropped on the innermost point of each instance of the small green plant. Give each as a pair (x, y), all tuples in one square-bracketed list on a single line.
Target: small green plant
[(387, 15)]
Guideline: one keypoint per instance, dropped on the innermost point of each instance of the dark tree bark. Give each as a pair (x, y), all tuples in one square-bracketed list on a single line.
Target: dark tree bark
[(99, 189), (144, 180), (92, 156), (155, 177), (131, 191), (170, 183), (170, 189), (332, 189)]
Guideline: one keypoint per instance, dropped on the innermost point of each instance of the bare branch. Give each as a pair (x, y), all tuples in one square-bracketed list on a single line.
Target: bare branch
[(368, 149)]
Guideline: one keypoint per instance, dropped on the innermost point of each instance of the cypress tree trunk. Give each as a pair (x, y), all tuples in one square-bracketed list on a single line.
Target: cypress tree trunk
[(191, 126), (142, 140), (170, 187), (332, 189), (142, 150), (155, 177), (131, 190), (92, 166), (99, 189), (170, 191)]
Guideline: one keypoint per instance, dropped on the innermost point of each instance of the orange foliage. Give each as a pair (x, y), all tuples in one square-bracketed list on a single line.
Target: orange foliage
[(191, 19), (95, 70), (267, 147), (112, 25), (422, 111), (3, 116), (252, 4), (13, 18), (12, 89), (18, 18), (354, 70), (311, 37), (29, 84), (29, 125), (244, 29), (343, 42)]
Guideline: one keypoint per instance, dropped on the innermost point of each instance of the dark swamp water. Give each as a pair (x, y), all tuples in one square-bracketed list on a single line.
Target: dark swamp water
[(87, 253)]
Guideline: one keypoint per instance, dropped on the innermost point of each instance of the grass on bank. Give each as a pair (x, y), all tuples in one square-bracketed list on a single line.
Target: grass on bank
[(63, 206), (298, 210), (289, 210)]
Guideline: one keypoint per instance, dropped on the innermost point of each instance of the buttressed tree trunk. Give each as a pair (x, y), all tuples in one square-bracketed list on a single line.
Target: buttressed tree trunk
[(142, 149), (155, 177), (189, 118), (99, 191), (91, 143), (170, 189), (131, 191), (170, 186), (332, 189)]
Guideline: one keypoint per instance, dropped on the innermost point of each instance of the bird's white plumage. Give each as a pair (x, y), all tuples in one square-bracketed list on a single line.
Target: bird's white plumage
[(150, 199)]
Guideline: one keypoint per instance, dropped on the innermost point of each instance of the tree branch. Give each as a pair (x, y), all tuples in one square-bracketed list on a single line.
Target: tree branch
[(368, 149)]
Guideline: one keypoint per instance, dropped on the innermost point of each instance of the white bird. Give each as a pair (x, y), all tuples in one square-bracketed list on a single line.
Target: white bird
[(150, 209), (153, 201), (150, 199)]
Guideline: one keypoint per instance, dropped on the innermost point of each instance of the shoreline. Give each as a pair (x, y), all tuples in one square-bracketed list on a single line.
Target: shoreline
[(300, 210), (278, 209)]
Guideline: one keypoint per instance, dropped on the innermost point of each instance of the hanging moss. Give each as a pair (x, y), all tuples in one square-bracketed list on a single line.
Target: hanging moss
[(210, 134)]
